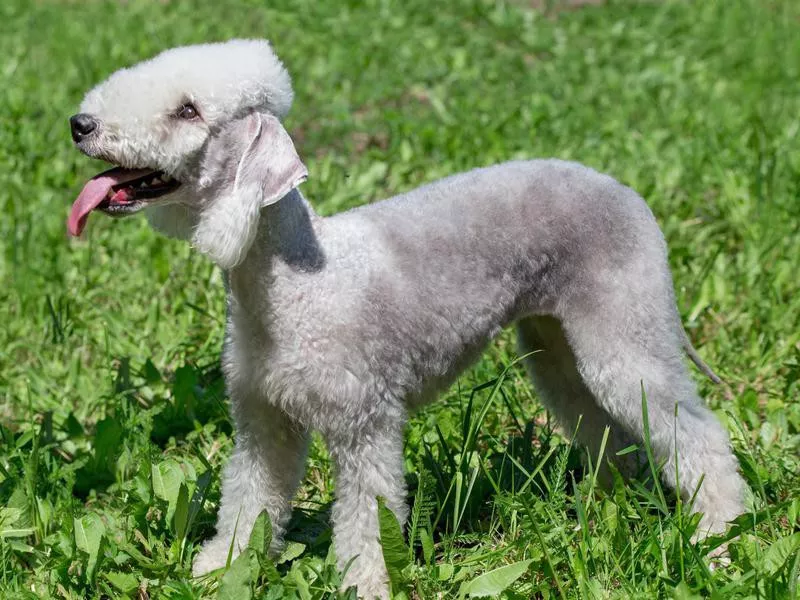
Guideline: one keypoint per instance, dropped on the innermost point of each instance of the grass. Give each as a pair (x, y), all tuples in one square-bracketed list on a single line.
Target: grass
[(114, 419)]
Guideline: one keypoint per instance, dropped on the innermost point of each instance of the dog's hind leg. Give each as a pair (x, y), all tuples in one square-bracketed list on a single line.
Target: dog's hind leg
[(639, 346), (562, 391), (263, 472)]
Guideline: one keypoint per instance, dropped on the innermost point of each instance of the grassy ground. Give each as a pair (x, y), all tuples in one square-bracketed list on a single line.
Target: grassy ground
[(114, 422)]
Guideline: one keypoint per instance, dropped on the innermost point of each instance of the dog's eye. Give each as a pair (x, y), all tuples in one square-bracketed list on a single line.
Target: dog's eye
[(187, 111)]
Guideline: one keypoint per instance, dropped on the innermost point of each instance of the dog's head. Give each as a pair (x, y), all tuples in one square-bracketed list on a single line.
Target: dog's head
[(195, 139)]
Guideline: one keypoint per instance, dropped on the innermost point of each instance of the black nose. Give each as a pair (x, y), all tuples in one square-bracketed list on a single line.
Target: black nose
[(82, 126)]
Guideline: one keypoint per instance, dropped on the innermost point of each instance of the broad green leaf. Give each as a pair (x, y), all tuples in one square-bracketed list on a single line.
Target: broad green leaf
[(259, 543), (18, 546), (445, 571), (124, 582), (395, 551), (236, 583), (682, 592), (19, 502), (89, 532), (199, 496), (293, 550), (275, 592), (9, 517), (426, 541), (494, 582), (743, 523), (167, 480), (180, 520), (24, 438), (44, 510), (779, 553), (297, 575), (261, 535), (610, 515)]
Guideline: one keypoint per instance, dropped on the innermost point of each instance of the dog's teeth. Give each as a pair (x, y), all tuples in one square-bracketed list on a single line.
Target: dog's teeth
[(143, 184), (155, 181)]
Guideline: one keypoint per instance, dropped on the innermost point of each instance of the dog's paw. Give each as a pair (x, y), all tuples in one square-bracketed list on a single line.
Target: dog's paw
[(373, 592), (371, 585), (213, 556)]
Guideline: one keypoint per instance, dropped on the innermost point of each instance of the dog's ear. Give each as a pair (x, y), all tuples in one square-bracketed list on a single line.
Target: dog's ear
[(265, 172), (269, 168)]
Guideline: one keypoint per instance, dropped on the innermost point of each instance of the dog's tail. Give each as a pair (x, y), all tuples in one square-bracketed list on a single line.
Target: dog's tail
[(695, 358)]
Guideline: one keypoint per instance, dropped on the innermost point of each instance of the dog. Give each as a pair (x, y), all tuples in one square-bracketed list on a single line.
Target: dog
[(344, 325)]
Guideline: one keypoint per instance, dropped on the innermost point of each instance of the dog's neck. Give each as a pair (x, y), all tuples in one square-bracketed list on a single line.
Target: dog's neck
[(287, 240), (288, 232)]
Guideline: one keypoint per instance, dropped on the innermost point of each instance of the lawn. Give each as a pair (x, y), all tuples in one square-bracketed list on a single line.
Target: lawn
[(113, 415)]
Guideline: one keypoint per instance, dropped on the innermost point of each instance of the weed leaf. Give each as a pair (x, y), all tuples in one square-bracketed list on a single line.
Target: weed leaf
[(124, 582), (261, 535), (395, 551), (180, 520), (235, 584), (779, 553), (89, 532), (494, 582), (167, 480)]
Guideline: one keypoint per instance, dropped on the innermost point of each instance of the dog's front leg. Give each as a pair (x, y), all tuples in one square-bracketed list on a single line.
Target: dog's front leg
[(263, 473), (368, 465)]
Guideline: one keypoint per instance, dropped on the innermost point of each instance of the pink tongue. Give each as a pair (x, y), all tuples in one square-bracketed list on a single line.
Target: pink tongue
[(95, 191)]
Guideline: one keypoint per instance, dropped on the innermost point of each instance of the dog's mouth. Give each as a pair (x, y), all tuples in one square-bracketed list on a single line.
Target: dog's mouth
[(119, 192)]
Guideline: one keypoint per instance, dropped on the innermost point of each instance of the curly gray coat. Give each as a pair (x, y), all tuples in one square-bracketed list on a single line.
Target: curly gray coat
[(344, 324)]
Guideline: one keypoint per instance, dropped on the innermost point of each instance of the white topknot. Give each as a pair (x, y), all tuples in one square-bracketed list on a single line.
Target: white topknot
[(225, 78)]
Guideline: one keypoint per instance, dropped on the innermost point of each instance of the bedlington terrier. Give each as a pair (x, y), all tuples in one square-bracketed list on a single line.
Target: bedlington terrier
[(346, 324)]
